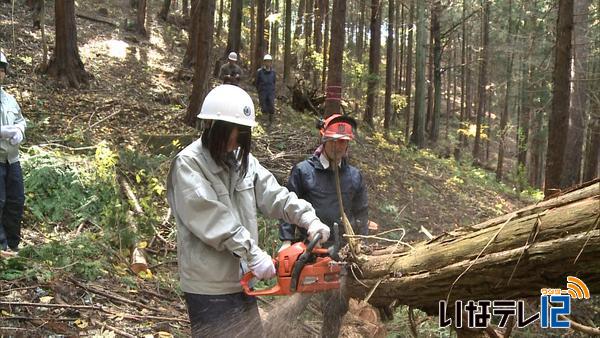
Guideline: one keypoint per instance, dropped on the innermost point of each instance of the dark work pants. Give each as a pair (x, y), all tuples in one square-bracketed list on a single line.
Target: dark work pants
[(232, 315), (267, 102), (12, 200)]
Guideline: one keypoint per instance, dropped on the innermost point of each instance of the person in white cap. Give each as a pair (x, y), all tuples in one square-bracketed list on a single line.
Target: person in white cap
[(231, 73), (215, 188), (265, 84), (12, 194)]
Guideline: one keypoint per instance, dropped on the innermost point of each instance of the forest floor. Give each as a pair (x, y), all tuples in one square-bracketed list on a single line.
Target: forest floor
[(72, 276)]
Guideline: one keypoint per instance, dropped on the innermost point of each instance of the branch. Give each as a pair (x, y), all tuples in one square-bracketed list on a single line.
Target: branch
[(96, 19), (451, 29), (592, 331)]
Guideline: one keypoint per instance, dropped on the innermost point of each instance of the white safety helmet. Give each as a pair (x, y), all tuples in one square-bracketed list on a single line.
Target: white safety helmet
[(268, 57), (232, 56), (228, 103), (3, 61)]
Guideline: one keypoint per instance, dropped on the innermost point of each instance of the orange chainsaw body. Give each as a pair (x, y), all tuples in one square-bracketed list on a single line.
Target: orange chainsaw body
[(300, 268)]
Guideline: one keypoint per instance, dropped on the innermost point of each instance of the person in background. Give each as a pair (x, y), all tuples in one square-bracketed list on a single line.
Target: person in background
[(231, 73), (314, 180), (12, 193), (265, 84), (214, 188)]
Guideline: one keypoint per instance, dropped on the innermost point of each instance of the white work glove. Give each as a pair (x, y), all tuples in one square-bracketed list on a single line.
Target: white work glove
[(318, 226), (17, 138), (285, 245), (262, 266), (7, 132)]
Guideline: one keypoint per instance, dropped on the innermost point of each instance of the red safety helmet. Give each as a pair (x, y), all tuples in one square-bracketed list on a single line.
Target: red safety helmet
[(337, 127)]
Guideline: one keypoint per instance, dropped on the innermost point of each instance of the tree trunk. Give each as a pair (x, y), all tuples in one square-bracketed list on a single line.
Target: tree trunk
[(191, 51), (234, 36), (259, 41), (592, 153), (141, 17), (287, 43), (449, 72), (399, 48), (274, 45), (537, 148), (524, 113), (418, 134), (252, 36), (336, 54), (219, 29), (482, 81), (463, 75), (166, 7), (429, 81), (559, 118), (389, 68), (308, 24), (184, 8), (205, 15), (374, 61), (494, 259), (327, 20), (299, 20), (65, 64), (318, 25), (360, 40), (504, 117), (571, 174), (408, 72), (437, 71)]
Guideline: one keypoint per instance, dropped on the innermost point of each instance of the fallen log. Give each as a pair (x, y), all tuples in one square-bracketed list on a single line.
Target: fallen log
[(508, 257)]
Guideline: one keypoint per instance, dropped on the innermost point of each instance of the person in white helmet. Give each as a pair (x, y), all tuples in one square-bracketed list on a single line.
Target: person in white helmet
[(231, 73), (12, 194), (215, 188), (265, 84)]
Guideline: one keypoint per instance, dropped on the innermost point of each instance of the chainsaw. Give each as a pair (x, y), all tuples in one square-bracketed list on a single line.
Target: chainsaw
[(301, 268)]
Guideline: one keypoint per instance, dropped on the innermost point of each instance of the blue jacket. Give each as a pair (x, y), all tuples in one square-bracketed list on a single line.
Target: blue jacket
[(312, 182), (265, 81)]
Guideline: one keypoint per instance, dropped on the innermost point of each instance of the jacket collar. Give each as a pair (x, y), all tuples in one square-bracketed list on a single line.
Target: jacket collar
[(210, 163), (315, 161)]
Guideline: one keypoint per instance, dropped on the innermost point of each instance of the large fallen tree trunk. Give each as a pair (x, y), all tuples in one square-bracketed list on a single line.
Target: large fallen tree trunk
[(508, 257)]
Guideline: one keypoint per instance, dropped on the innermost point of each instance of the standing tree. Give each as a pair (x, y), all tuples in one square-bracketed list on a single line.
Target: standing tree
[(559, 118), (164, 10), (287, 43), (259, 44), (389, 67), (65, 64), (360, 39), (191, 51), (204, 13), (418, 134), (482, 81), (336, 53), (504, 117), (325, 42), (579, 100), (374, 60), (408, 72), (437, 70), (141, 17)]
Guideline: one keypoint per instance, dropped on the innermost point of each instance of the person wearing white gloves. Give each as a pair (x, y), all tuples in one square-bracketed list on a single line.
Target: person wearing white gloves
[(215, 188), (12, 193)]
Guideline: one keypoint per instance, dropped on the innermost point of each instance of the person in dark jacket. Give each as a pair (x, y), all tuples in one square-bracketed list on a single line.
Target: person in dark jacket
[(230, 73), (265, 84), (314, 180)]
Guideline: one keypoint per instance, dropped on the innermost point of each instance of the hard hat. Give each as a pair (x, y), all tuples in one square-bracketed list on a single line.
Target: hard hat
[(232, 56), (337, 127), (228, 103), (3, 61), (268, 57)]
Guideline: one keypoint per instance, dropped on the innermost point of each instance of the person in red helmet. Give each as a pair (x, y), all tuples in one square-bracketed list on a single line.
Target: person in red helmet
[(314, 180)]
